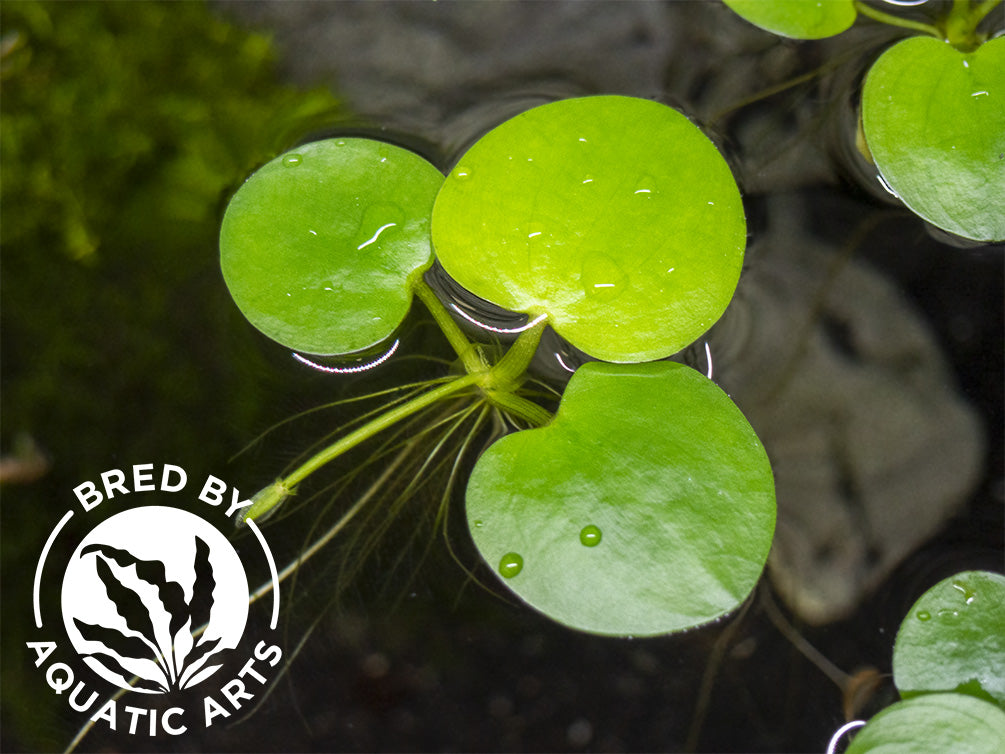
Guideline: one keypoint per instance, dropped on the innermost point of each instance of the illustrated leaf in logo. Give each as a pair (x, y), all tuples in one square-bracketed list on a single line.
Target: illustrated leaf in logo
[(196, 660), (121, 646), (200, 609), (110, 662), (125, 646), (172, 596), (181, 660), (129, 605), (127, 602), (202, 592)]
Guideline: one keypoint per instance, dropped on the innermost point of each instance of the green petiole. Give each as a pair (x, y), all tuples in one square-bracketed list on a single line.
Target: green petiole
[(271, 496), (960, 26), (892, 20), (467, 351), (498, 383)]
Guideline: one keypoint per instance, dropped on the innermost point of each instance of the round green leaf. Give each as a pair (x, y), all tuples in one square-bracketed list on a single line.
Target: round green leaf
[(623, 521), (614, 216), (317, 247), (954, 723), (800, 19), (953, 639), (934, 121)]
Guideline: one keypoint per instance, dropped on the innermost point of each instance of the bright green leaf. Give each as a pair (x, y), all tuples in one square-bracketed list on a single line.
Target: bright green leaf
[(934, 120), (953, 639), (615, 216), (645, 507), (800, 19), (954, 723), (318, 246)]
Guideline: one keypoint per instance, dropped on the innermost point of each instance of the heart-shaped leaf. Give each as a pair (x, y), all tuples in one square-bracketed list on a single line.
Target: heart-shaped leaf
[(645, 507), (953, 639), (317, 247), (954, 723), (614, 216), (799, 19), (934, 121)]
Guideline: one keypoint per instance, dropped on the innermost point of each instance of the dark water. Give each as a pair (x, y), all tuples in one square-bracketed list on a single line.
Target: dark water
[(414, 657)]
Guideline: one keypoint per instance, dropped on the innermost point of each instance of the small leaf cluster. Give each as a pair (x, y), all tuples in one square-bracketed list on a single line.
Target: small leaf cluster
[(164, 635), (645, 505), (932, 107), (949, 666)]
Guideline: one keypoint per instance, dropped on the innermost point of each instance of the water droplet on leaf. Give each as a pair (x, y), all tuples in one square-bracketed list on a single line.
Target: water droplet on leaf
[(967, 592), (590, 535), (462, 173), (948, 615), (292, 160), (924, 615), (645, 187), (602, 279), (510, 565)]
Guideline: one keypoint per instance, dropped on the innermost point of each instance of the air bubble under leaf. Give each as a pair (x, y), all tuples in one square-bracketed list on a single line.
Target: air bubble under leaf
[(934, 121), (645, 507), (318, 246), (953, 639), (614, 216)]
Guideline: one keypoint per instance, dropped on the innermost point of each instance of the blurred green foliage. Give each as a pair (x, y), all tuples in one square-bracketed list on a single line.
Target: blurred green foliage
[(124, 128)]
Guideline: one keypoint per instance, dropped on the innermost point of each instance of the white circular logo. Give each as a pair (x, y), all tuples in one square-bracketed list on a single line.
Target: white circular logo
[(154, 593)]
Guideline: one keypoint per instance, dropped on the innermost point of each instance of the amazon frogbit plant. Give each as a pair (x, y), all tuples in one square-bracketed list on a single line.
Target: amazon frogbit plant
[(949, 667), (932, 115), (645, 504)]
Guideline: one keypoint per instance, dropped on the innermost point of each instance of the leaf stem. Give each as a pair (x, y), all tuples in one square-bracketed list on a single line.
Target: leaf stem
[(517, 405), (981, 10), (464, 348), (508, 374), (892, 20), (505, 378), (960, 26), (279, 490), (499, 384)]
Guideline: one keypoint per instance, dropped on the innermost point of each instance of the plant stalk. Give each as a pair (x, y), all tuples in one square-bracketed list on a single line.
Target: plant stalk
[(508, 374), (464, 348), (981, 10), (960, 25), (892, 20), (517, 405), (278, 491), (505, 377)]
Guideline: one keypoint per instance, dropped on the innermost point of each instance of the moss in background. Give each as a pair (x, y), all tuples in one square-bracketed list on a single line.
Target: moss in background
[(124, 126)]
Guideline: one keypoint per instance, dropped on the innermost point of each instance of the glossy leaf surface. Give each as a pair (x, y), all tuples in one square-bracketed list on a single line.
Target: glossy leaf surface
[(953, 639), (645, 507), (934, 121), (317, 246), (934, 722), (799, 19), (615, 216)]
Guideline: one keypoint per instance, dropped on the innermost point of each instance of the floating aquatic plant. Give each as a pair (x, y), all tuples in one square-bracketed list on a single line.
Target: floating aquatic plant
[(646, 504), (932, 107)]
